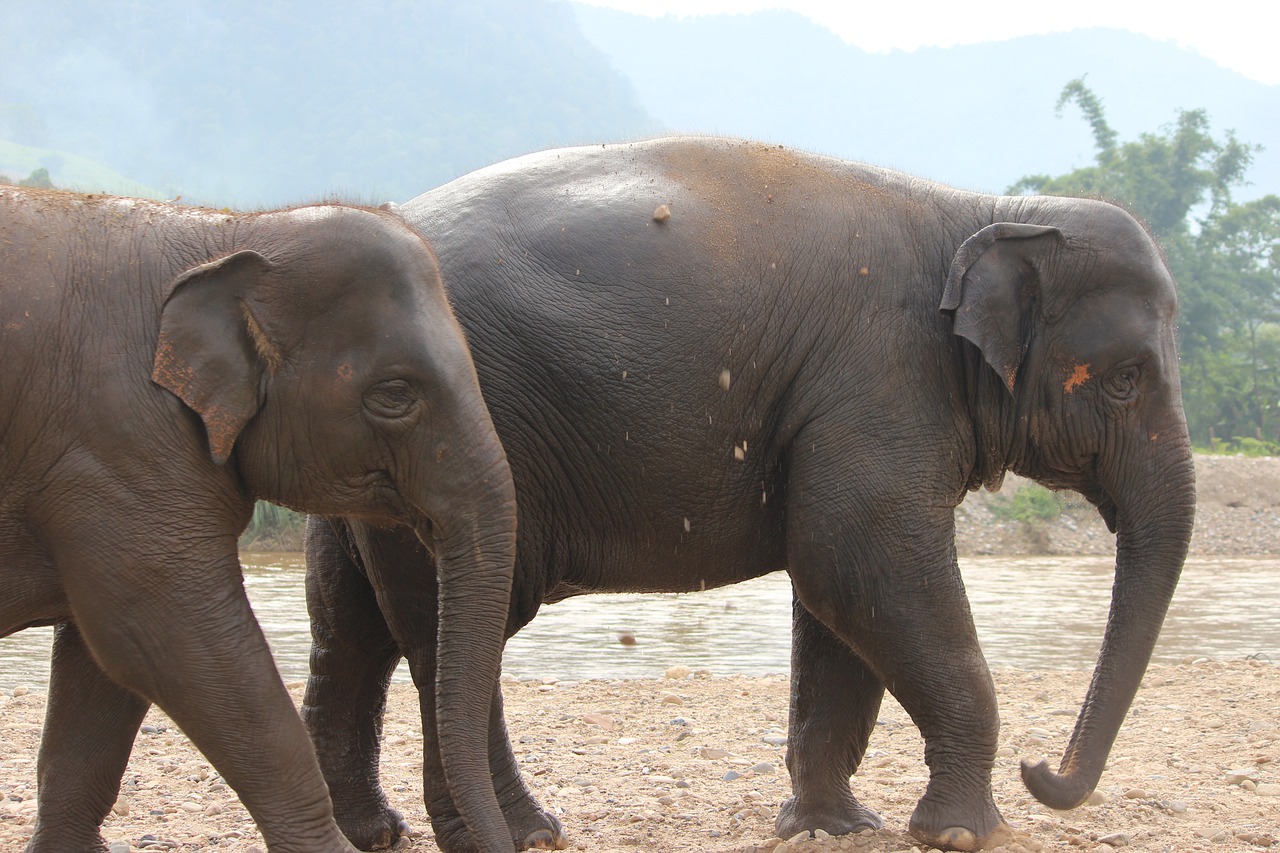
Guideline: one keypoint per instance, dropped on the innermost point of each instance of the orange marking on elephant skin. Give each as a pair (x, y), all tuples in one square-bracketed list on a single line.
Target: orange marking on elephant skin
[(345, 372), (1077, 378)]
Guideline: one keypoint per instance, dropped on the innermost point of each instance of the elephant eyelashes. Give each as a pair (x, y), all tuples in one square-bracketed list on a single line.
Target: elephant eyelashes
[(392, 400), (1123, 383)]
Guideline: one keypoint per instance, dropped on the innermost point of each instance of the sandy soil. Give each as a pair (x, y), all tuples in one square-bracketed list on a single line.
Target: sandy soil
[(651, 765), (696, 762)]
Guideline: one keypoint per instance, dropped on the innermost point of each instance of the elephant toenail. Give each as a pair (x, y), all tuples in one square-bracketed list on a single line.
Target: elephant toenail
[(957, 838), (544, 839)]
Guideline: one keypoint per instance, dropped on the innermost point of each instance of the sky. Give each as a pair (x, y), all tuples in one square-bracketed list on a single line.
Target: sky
[(1238, 34)]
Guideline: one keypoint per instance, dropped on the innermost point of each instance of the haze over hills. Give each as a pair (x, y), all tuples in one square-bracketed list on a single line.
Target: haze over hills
[(979, 116), (264, 102)]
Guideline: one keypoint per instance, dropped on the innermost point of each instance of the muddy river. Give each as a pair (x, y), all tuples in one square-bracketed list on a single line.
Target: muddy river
[(1031, 612)]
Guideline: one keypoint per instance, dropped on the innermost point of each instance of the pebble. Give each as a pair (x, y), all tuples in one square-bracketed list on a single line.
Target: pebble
[(671, 699), (1006, 752), (118, 847), (677, 673), (775, 740), (1116, 839), (1214, 833), (1268, 789), (764, 767), (731, 775), (1097, 798), (713, 753), (604, 721), (1235, 777), (1135, 794), (20, 691)]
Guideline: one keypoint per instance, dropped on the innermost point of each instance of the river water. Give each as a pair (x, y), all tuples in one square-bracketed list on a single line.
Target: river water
[(1031, 612)]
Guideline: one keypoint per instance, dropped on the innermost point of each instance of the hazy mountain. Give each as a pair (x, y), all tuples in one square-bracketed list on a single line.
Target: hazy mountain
[(262, 102), (256, 102), (979, 116)]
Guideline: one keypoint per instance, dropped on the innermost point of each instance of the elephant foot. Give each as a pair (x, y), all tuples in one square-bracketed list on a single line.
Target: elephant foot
[(842, 817), (532, 828), (949, 825), (52, 836), (375, 829)]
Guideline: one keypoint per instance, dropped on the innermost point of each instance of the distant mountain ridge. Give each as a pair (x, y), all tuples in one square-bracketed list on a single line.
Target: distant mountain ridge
[(264, 102), (977, 116)]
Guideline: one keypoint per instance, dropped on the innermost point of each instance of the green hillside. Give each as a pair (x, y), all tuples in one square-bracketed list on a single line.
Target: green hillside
[(252, 103), (69, 171)]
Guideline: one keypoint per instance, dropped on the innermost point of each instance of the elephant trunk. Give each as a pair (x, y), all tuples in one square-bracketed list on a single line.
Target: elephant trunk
[(472, 535), (1154, 515)]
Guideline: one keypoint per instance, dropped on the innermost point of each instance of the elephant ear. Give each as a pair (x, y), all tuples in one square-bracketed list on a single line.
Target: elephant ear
[(992, 286), (212, 351)]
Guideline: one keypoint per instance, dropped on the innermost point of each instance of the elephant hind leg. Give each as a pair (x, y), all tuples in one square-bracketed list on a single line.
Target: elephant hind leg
[(834, 702)]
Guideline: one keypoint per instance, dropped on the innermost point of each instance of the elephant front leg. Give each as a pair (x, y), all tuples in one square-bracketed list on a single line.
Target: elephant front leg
[(532, 826), (89, 727), (914, 631), (873, 561), (400, 571), (834, 702), (200, 655), (352, 659)]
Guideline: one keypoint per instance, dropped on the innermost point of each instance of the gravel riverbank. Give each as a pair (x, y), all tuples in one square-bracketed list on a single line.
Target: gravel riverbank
[(695, 762), (1237, 512)]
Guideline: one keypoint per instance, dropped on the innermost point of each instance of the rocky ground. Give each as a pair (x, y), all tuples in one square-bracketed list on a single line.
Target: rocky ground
[(695, 762)]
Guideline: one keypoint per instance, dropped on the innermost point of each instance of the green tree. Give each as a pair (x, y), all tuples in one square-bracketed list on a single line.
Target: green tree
[(1226, 256), (38, 178)]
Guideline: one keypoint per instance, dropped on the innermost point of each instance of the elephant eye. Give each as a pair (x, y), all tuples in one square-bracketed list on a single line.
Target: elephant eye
[(394, 399), (1123, 383)]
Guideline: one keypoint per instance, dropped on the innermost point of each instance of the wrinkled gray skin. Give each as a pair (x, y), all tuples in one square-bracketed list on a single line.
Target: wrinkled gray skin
[(164, 366), (806, 366)]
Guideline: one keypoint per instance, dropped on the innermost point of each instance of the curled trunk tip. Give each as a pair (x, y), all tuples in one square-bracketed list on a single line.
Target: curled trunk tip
[(1062, 791)]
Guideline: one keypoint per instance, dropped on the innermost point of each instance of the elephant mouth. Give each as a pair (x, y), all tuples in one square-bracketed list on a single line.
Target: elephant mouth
[(382, 503), (1107, 509), (425, 532), (1101, 501)]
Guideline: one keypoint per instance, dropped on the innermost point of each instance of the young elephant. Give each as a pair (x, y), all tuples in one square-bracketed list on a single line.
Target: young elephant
[(162, 367), (710, 359)]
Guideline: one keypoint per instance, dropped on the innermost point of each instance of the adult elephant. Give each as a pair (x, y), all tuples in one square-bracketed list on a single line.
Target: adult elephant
[(709, 359), (162, 368)]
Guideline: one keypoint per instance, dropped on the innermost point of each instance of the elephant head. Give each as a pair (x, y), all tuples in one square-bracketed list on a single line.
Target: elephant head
[(329, 374), (1075, 312)]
